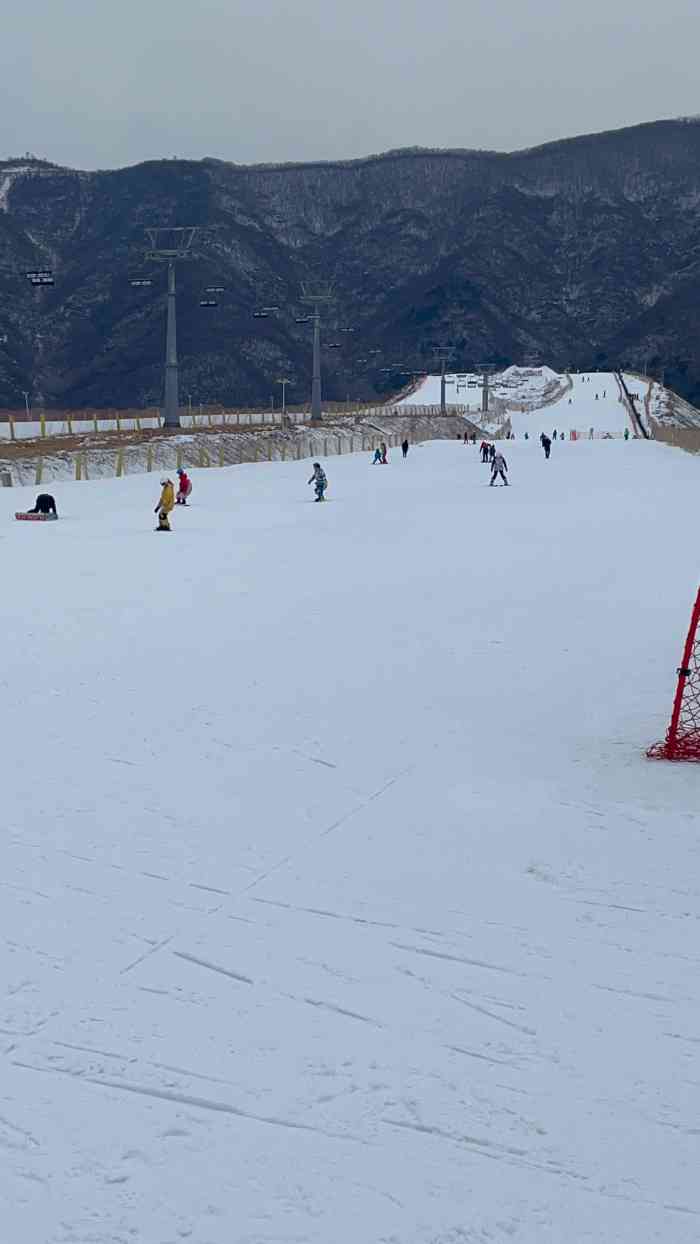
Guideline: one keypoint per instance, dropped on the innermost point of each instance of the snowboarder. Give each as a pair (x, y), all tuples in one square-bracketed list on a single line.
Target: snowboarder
[(319, 480), (404, 446), (554, 435), (44, 504), (384, 459), (546, 444), (499, 466), (165, 504), (184, 487)]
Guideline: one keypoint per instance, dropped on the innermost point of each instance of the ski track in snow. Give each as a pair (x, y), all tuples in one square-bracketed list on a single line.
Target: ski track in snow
[(339, 902)]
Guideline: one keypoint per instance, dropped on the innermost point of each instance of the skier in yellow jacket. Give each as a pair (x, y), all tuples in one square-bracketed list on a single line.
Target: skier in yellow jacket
[(165, 505)]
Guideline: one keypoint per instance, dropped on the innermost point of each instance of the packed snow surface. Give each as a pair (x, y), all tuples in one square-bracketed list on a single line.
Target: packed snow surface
[(340, 905), (579, 402)]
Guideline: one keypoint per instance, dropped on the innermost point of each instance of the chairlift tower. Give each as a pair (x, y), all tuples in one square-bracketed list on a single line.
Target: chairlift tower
[(485, 370), (171, 245), (316, 294), (443, 354)]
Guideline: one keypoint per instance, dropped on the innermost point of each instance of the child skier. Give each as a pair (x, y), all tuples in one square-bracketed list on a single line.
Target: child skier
[(319, 480), (184, 487), (165, 505), (499, 466), (377, 457)]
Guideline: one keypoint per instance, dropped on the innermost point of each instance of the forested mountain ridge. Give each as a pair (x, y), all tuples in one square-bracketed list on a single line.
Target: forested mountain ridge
[(584, 252)]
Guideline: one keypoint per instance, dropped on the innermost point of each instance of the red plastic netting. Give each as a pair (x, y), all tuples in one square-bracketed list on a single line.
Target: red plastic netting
[(682, 740)]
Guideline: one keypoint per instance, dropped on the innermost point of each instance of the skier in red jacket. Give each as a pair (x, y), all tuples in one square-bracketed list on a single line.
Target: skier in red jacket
[(184, 487)]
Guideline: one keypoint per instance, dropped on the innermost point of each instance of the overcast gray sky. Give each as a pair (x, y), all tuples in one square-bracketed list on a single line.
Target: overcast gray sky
[(96, 84)]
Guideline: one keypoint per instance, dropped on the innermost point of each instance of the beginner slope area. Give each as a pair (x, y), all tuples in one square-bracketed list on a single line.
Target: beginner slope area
[(339, 902)]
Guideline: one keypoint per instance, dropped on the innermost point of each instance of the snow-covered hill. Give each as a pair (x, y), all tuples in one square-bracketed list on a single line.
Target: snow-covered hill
[(339, 901), (538, 399)]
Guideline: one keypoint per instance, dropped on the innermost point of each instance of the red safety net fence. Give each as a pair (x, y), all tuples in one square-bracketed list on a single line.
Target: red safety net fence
[(682, 740)]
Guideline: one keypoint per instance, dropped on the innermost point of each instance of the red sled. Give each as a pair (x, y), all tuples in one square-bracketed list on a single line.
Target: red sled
[(23, 517)]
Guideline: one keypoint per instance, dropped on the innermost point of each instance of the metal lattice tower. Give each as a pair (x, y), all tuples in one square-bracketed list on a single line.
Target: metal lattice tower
[(170, 245)]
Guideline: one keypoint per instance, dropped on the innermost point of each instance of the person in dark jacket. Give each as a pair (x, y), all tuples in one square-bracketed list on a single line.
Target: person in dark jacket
[(319, 480), (484, 449), (492, 453), (546, 444), (385, 460), (404, 448), (44, 504)]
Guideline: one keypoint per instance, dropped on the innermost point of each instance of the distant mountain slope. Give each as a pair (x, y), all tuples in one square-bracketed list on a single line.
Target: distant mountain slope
[(584, 252)]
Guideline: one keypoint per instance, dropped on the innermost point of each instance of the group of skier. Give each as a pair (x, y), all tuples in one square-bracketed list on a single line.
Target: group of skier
[(169, 498)]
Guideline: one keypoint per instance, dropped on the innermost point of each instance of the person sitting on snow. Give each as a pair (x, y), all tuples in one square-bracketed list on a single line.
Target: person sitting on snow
[(319, 479), (44, 504), (165, 505), (184, 487)]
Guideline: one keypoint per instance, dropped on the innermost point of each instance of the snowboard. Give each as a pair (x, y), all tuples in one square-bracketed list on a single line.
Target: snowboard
[(35, 518)]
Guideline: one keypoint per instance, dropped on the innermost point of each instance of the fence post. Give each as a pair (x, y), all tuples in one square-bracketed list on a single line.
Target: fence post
[(77, 466), (119, 422), (94, 422), (69, 421), (149, 458), (222, 460), (12, 427), (42, 424), (120, 463), (138, 423), (178, 458), (39, 471), (85, 465)]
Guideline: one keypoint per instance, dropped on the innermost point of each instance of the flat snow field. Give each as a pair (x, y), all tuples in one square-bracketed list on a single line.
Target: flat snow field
[(339, 903)]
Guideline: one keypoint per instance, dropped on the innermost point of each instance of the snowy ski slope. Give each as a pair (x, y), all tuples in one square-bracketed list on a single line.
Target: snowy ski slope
[(340, 905), (575, 406)]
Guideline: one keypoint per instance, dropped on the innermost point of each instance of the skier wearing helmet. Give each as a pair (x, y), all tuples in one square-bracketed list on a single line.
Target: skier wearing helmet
[(165, 504), (184, 487)]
